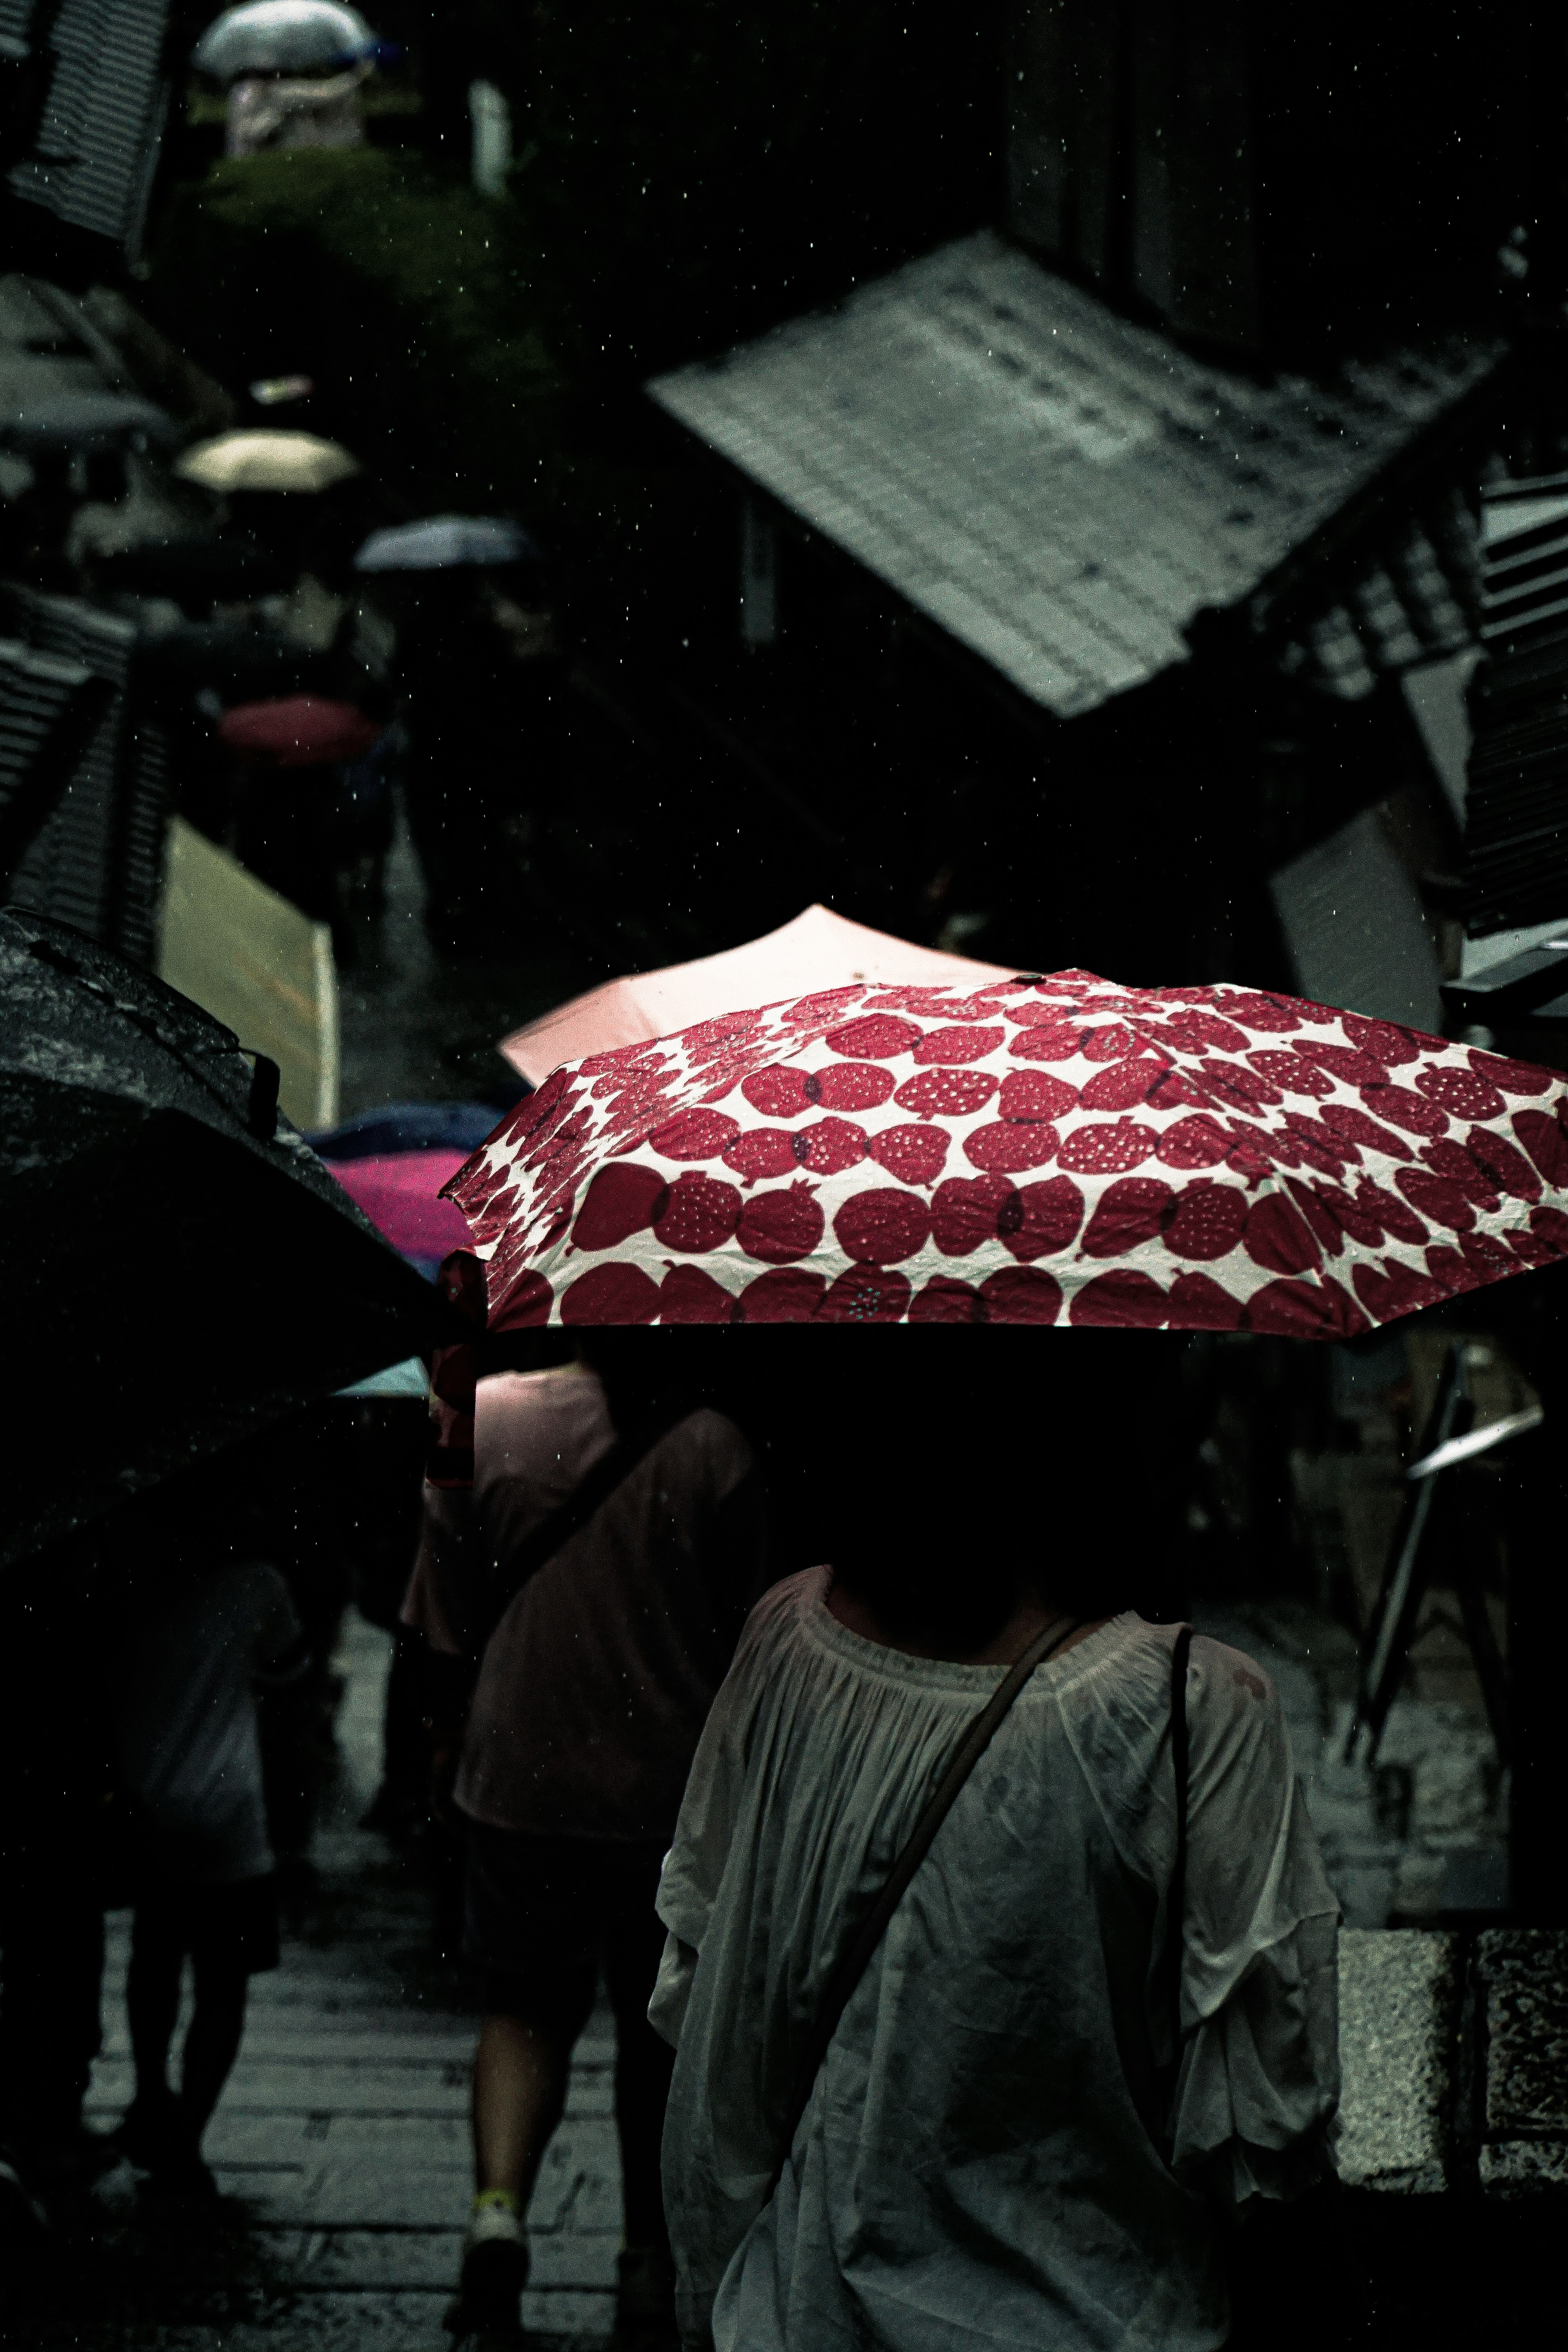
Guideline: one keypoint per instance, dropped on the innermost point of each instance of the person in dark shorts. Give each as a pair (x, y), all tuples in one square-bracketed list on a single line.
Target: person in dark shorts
[(55, 1658), (591, 1695), (190, 1774)]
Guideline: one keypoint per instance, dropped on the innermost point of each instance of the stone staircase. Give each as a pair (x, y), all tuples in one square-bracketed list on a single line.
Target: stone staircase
[(340, 2145)]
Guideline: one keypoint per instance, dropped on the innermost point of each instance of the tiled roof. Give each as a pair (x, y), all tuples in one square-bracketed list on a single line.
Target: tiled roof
[(1061, 489), (1516, 810), (39, 699), (1415, 597), (96, 140), (97, 862), (42, 355)]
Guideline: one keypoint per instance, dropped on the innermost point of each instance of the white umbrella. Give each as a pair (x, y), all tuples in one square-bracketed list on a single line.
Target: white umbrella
[(283, 37), (274, 461), (817, 949), (443, 542)]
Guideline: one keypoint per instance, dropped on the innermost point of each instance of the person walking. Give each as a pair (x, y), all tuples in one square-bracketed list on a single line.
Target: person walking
[(57, 1665), (612, 1539), (214, 1623), (1096, 2012), (484, 696)]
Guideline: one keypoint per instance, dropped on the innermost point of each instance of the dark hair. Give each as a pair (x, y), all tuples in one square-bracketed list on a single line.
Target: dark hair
[(646, 1372), (940, 1521), (948, 1479), (940, 1470)]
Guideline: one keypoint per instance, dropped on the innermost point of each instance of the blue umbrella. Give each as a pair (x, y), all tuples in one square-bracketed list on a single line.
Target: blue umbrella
[(410, 1127), (444, 542), (408, 1379)]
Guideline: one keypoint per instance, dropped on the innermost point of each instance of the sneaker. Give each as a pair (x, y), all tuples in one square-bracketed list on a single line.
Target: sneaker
[(494, 2273), (645, 2302)]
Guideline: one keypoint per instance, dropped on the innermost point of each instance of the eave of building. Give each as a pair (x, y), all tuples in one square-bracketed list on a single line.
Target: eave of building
[(1064, 490)]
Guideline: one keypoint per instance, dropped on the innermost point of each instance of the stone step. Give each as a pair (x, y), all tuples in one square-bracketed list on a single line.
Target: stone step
[(336, 2321), (407, 2181), (324, 2044), (381, 2261), (1522, 1977), (1399, 2001), (347, 2093)]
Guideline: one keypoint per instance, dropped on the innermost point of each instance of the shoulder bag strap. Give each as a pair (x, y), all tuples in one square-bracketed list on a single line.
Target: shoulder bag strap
[(1177, 1897), (597, 1486), (852, 1967)]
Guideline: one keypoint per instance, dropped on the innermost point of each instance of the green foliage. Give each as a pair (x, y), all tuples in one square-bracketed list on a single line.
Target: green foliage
[(409, 297), (687, 176)]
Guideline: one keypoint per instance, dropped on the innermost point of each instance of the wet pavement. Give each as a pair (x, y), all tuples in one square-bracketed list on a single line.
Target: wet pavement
[(416, 1028), (341, 2144), (1424, 1834)]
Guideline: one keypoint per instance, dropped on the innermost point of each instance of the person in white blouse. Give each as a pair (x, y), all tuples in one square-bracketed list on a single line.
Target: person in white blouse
[(1047, 2091)]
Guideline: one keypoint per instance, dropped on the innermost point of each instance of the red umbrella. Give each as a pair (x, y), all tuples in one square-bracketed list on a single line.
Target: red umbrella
[(1058, 1151), (298, 731)]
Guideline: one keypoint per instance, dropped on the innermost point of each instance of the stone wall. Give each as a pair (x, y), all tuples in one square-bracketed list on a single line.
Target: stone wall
[(1454, 2052)]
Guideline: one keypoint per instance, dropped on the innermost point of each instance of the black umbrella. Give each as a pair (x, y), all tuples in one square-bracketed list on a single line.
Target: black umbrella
[(177, 1268), (198, 573), (238, 664)]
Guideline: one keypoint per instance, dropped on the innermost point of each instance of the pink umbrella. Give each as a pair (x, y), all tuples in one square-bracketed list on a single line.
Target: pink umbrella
[(817, 949), (1060, 1150), (401, 1193)]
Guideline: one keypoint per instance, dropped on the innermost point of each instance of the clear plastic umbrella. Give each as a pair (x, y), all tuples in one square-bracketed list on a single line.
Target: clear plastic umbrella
[(283, 37), (446, 542)]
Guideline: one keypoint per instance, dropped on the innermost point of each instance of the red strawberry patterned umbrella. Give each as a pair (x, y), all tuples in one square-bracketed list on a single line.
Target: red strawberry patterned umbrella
[(1058, 1151)]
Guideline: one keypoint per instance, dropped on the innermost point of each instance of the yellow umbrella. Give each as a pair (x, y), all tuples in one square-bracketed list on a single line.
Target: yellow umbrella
[(266, 461)]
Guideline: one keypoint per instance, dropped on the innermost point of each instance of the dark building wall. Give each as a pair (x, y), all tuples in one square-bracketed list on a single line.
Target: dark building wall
[(701, 170), (865, 757), (1277, 184)]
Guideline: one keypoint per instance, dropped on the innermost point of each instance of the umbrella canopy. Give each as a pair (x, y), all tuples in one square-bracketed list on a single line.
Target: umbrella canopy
[(1060, 1150), (250, 664), (176, 1265), (84, 420), (446, 542), (459, 1127), (408, 1380), (283, 37), (269, 459), (395, 1162), (298, 731), (400, 1193), (817, 949)]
